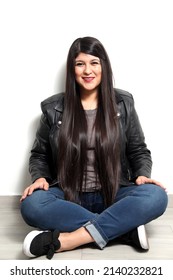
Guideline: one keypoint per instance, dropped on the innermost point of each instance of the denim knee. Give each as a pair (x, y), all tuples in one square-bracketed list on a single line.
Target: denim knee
[(29, 211), (163, 199), (158, 198), (32, 207)]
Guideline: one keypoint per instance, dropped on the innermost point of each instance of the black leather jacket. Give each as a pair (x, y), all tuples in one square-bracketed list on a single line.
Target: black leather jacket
[(135, 156)]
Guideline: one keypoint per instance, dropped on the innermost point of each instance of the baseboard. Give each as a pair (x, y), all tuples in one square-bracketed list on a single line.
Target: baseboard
[(13, 201)]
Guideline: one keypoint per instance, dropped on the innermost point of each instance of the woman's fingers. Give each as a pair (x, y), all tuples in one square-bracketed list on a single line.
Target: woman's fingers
[(38, 184)]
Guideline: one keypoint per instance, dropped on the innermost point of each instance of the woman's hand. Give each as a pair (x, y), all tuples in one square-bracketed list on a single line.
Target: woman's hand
[(40, 183), (144, 180)]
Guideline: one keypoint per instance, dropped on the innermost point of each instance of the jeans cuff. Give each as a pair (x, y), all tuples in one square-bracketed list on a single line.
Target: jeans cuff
[(98, 238)]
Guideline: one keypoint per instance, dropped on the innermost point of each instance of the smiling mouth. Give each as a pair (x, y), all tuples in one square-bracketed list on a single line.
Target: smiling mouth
[(88, 79)]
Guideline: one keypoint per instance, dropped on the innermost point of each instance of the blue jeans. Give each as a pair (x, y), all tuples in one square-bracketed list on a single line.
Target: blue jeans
[(134, 205)]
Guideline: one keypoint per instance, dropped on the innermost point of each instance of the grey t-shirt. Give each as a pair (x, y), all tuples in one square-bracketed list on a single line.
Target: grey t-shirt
[(91, 181)]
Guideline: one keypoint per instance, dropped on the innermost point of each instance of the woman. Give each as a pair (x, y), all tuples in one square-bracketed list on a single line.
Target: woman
[(89, 163)]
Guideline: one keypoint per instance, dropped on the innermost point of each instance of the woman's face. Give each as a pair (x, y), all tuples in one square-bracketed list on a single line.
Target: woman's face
[(88, 72)]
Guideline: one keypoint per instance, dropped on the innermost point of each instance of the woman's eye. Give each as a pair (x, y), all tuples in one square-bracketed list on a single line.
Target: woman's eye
[(79, 64), (95, 63)]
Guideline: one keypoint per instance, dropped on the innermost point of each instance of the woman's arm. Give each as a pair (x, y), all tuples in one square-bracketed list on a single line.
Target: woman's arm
[(41, 155), (138, 155)]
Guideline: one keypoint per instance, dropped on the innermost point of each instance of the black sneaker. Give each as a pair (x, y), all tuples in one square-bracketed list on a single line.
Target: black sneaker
[(38, 243), (136, 238)]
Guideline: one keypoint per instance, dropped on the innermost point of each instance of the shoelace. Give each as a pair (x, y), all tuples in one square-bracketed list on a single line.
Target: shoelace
[(55, 245)]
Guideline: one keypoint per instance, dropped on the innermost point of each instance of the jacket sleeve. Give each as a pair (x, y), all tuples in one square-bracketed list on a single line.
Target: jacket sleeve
[(139, 157), (41, 159)]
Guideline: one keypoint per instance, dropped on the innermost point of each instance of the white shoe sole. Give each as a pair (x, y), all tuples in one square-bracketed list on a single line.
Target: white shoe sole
[(143, 237), (27, 242)]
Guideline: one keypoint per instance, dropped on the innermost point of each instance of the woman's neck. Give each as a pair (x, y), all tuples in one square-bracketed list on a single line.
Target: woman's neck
[(89, 100)]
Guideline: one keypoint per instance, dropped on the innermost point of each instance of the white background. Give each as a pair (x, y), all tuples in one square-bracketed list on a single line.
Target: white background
[(35, 36)]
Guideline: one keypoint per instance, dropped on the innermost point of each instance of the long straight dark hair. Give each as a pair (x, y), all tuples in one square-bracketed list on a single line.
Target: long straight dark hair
[(72, 141)]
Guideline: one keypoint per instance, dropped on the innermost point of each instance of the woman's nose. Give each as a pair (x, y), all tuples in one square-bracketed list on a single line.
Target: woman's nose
[(87, 69)]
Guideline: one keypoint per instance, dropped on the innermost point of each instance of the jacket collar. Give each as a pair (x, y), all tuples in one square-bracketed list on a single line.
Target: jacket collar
[(60, 104), (118, 96)]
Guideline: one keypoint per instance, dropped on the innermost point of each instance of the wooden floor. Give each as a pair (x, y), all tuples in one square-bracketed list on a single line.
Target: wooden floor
[(13, 231)]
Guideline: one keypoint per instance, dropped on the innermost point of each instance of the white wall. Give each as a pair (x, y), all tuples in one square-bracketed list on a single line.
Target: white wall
[(35, 37)]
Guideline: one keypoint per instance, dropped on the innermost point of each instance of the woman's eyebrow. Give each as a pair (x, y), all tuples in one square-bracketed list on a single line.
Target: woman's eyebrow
[(94, 59)]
